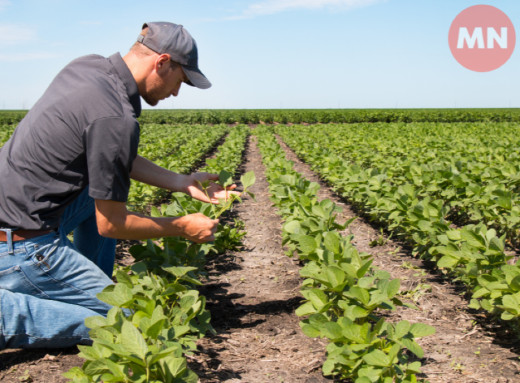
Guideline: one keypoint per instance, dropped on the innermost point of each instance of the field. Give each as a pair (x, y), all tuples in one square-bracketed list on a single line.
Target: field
[(368, 246)]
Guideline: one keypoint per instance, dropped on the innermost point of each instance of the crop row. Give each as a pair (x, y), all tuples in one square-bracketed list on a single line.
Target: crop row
[(157, 313), (5, 132), (311, 116), (345, 297), (473, 169), (472, 253)]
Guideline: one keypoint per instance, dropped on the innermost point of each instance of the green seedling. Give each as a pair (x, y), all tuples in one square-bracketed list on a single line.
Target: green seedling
[(225, 179)]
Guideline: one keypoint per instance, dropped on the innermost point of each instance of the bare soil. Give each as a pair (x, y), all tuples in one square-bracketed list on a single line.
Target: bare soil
[(252, 295)]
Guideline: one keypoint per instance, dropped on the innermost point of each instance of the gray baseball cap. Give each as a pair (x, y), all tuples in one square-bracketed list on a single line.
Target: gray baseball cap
[(164, 37)]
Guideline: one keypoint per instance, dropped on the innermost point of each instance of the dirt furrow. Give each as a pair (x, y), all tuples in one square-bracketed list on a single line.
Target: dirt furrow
[(466, 348), (252, 296)]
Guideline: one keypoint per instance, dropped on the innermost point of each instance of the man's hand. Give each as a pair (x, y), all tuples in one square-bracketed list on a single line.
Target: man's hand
[(146, 171), (198, 228), (214, 191), (115, 221)]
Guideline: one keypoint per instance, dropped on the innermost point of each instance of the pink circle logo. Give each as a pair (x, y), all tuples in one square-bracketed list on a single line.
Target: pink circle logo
[(482, 38)]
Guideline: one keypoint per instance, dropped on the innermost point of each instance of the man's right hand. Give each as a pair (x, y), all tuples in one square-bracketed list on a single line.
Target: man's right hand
[(115, 221), (198, 228)]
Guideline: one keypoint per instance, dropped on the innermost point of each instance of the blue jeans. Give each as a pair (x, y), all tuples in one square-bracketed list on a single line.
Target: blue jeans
[(48, 285)]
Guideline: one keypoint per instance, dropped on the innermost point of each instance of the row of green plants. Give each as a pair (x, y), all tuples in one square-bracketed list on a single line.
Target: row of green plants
[(472, 253), (325, 116), (345, 296), (11, 117), (473, 168), (5, 133), (157, 140), (311, 116), (157, 313)]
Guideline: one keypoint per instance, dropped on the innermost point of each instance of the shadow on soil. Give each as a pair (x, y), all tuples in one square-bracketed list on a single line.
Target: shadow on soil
[(13, 357)]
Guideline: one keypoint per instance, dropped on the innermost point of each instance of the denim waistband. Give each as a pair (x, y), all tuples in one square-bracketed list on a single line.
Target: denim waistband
[(12, 245)]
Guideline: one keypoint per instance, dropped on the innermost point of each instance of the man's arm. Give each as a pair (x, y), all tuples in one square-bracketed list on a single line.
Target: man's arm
[(115, 221), (146, 171)]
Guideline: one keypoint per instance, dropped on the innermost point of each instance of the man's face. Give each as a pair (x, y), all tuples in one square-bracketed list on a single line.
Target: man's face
[(164, 82)]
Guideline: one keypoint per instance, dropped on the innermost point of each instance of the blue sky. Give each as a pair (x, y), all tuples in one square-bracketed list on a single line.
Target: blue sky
[(268, 53)]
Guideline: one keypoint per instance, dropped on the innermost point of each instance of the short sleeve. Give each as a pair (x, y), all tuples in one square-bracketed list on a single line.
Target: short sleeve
[(111, 147)]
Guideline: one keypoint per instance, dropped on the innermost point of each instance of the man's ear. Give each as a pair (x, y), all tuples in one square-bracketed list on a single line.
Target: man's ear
[(161, 61)]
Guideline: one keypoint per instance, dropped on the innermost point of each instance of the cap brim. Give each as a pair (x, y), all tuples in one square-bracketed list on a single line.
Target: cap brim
[(196, 77)]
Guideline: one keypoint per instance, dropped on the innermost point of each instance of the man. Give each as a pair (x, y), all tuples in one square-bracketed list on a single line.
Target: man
[(68, 167)]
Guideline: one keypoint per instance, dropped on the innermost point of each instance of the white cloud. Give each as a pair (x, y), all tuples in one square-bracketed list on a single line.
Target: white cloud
[(269, 7), (15, 34), (17, 57)]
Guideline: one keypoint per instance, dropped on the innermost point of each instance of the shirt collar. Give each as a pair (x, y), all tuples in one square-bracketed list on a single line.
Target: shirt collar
[(129, 81)]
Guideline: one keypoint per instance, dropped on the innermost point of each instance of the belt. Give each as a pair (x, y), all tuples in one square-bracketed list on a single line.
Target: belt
[(20, 235)]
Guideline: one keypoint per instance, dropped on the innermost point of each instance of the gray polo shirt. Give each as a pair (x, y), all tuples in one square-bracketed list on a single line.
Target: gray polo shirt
[(82, 132)]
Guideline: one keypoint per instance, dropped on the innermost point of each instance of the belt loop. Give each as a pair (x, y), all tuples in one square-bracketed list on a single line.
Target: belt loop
[(9, 235)]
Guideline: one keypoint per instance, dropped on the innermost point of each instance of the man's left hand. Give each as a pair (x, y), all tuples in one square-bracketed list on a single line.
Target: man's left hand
[(214, 191)]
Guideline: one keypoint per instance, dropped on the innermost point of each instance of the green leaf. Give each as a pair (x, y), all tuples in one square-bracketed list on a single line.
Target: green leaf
[(402, 328), (248, 179), (413, 347), (155, 329), (332, 331), (118, 295), (447, 262), (175, 366), (454, 235), (123, 277), (354, 312), (360, 294), (319, 211), (365, 379), (95, 367), (506, 315), (89, 352), (393, 287), (115, 369), (132, 340), (155, 212), (306, 309), (307, 244), (76, 375), (309, 330), (515, 283), (178, 271), (95, 321), (353, 331), (318, 298), (377, 358), (292, 227), (156, 356), (414, 367), (332, 241), (364, 268), (512, 303), (335, 276), (473, 239), (225, 178)]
